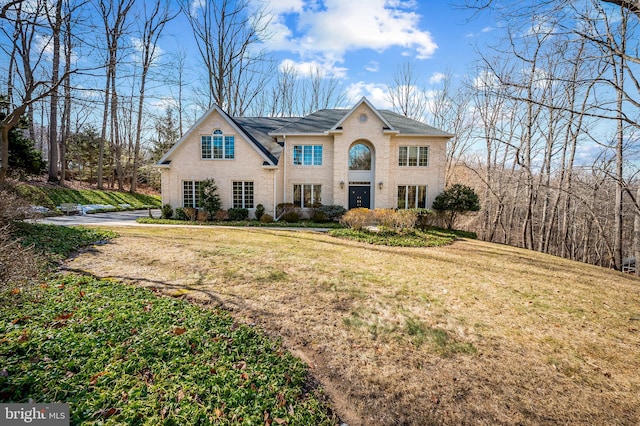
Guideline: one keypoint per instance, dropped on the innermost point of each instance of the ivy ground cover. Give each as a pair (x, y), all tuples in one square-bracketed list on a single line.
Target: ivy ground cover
[(121, 355)]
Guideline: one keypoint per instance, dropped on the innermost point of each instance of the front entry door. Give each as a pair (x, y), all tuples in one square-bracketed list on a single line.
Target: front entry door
[(359, 196)]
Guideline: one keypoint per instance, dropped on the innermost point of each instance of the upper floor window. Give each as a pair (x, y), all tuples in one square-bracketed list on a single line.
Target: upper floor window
[(218, 146), (307, 155), (413, 156), (360, 157)]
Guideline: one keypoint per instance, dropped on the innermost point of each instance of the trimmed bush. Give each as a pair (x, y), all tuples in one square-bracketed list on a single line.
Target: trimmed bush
[(333, 211), (181, 214), (221, 215), (238, 213), (266, 218), (259, 211), (319, 217), (291, 217), (167, 211), (191, 213), (202, 215)]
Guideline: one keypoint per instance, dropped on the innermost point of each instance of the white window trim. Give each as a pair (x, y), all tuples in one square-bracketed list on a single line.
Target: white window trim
[(243, 196), (313, 201), (224, 146), (194, 192), (313, 155), (428, 148), (406, 199)]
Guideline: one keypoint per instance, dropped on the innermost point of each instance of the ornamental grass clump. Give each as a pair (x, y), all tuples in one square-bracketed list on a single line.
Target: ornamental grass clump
[(358, 218)]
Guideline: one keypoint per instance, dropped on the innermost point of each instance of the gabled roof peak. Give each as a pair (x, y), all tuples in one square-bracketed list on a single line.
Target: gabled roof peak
[(366, 102)]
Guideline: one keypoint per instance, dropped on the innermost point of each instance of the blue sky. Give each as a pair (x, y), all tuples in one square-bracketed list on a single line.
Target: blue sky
[(361, 42)]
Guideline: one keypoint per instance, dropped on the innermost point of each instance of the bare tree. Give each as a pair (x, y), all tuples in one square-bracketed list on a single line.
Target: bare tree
[(405, 95), (155, 20), (27, 19), (228, 34), (114, 14)]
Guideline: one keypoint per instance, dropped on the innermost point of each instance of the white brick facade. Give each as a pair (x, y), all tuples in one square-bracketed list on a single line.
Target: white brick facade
[(266, 158)]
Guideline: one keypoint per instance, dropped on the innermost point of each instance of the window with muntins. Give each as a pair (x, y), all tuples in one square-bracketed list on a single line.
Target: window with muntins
[(218, 146), (307, 195), (307, 155), (243, 195), (413, 156), (191, 193), (412, 196)]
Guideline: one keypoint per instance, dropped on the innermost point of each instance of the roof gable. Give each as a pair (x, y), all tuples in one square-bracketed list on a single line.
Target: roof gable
[(373, 109), (269, 158)]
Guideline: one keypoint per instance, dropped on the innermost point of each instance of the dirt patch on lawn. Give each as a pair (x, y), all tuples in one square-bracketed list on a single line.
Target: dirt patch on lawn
[(473, 333)]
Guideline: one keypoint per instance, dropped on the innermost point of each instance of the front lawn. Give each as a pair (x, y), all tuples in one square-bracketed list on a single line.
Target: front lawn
[(465, 333)]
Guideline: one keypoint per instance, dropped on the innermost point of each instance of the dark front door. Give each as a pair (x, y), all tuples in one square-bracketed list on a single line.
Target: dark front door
[(359, 196)]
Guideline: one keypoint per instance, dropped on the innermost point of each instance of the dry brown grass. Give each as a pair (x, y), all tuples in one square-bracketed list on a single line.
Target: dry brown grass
[(473, 333)]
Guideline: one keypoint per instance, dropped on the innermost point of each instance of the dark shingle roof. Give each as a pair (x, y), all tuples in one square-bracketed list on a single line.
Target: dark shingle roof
[(262, 129), (409, 126), (259, 128), (324, 120)]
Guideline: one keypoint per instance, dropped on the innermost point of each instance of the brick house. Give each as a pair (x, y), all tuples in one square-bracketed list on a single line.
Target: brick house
[(358, 157)]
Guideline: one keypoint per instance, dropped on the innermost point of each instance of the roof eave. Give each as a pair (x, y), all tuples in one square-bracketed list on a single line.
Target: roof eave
[(424, 135)]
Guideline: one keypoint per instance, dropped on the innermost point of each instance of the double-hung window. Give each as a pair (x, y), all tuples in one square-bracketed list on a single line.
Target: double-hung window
[(413, 156), (218, 146), (307, 195), (191, 193), (412, 196), (242, 195), (307, 155)]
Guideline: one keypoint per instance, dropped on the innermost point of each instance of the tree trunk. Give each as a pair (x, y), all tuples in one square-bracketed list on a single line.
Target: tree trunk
[(53, 112)]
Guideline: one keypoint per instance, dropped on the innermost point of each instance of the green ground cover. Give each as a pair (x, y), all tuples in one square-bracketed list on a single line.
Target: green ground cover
[(51, 197)]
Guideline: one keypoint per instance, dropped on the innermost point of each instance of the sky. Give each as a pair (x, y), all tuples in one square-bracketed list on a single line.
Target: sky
[(362, 42)]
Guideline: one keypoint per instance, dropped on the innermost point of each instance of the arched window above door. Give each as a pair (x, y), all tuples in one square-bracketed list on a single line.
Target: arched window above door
[(360, 157)]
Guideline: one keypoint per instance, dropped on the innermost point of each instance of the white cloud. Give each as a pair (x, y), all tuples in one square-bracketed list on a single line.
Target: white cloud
[(437, 77), (377, 94), (325, 30), (372, 66), (308, 68)]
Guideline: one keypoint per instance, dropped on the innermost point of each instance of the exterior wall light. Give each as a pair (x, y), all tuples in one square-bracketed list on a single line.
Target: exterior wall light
[(341, 184), (380, 185)]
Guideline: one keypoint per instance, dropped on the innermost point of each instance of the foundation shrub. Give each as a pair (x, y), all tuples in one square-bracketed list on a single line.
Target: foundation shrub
[(266, 218), (181, 214), (167, 211), (221, 215), (291, 217), (238, 213), (259, 211), (319, 217), (333, 211)]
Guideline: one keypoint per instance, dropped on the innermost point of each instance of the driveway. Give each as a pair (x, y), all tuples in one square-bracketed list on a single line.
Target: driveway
[(110, 218), (129, 218)]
